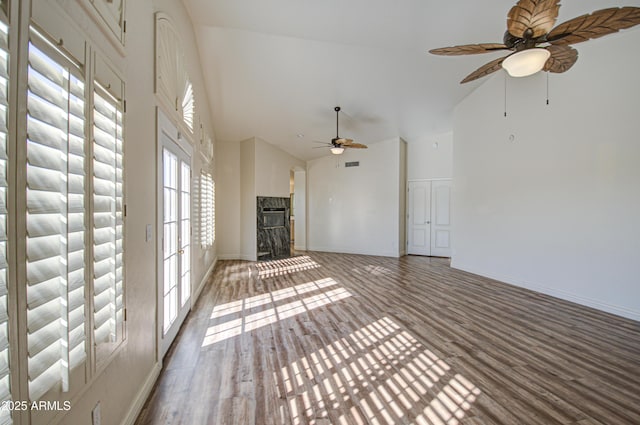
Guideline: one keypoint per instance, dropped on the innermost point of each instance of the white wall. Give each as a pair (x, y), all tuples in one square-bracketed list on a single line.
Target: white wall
[(228, 200), (430, 157), (356, 210), (300, 209), (557, 209), (247, 212)]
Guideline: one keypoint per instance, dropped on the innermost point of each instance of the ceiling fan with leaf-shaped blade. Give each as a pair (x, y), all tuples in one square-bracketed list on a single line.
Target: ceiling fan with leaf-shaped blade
[(537, 45), (338, 144)]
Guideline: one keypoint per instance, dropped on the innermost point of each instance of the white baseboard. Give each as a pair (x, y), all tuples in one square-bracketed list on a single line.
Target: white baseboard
[(564, 295), (206, 276), (355, 251), (143, 394), (235, 257)]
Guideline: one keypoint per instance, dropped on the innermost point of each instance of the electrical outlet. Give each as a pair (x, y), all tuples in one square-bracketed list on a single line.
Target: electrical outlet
[(149, 234), (95, 415)]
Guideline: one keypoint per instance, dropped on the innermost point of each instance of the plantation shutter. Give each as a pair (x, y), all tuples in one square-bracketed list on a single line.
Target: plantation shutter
[(108, 217), (55, 218), (207, 209), (203, 209), (5, 388), (211, 228)]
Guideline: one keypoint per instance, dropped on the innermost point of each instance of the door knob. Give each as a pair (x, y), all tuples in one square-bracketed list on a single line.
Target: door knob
[(428, 222), (181, 252)]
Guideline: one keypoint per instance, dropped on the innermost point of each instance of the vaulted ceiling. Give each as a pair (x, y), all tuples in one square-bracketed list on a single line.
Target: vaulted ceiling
[(276, 69)]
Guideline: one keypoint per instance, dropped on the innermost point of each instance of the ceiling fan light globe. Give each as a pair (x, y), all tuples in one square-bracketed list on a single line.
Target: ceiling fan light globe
[(337, 150), (526, 62)]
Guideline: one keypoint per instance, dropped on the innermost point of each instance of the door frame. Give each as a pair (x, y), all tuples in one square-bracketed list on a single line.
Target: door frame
[(168, 128)]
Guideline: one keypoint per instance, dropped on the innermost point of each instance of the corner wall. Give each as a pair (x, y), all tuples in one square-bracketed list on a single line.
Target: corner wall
[(556, 209), (356, 210), (246, 170)]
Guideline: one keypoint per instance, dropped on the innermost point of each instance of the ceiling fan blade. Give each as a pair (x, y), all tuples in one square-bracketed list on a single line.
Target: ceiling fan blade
[(532, 18), (343, 141), (468, 49), (484, 70), (356, 146), (594, 25), (562, 58)]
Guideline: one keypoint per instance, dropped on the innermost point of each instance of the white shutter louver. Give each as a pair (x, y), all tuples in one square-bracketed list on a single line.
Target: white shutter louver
[(207, 209), (5, 388), (108, 224), (55, 220), (212, 227), (188, 104)]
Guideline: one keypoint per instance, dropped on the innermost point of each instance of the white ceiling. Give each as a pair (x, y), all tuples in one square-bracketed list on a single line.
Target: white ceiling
[(276, 69)]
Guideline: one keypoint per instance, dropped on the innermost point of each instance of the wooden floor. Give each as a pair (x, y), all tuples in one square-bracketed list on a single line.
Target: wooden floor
[(349, 339)]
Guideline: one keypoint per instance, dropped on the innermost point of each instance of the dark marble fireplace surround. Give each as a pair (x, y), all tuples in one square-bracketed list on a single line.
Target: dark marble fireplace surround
[(273, 227)]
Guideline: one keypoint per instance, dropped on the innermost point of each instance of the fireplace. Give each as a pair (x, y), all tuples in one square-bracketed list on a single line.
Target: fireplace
[(273, 218), (273, 228)]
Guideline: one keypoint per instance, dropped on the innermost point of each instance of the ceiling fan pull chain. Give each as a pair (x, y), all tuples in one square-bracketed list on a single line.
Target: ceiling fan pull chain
[(547, 88), (505, 95)]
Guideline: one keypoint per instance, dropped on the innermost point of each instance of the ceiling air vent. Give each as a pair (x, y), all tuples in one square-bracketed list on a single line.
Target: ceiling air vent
[(352, 164)]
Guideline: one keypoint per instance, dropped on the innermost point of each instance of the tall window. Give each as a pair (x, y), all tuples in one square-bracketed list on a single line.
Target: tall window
[(55, 218), (207, 210), (61, 197), (5, 388), (108, 278)]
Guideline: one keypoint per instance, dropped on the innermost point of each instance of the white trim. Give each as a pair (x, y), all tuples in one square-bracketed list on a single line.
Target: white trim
[(196, 293), (235, 257), (564, 295), (143, 394), (338, 250), (431, 180), (116, 41)]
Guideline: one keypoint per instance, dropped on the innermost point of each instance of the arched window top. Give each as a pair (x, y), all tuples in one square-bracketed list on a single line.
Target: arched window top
[(173, 85)]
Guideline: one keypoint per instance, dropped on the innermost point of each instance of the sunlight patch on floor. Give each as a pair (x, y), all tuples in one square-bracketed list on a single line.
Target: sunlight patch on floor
[(236, 317), (386, 374), (377, 270), (285, 266)]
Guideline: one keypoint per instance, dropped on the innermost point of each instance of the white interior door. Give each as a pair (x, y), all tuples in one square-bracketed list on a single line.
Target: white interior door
[(174, 285), (419, 218), (429, 218), (441, 218)]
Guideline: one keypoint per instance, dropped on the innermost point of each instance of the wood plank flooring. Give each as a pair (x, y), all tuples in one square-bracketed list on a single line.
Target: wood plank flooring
[(350, 339)]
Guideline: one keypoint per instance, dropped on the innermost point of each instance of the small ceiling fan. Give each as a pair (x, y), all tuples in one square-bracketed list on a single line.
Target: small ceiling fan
[(338, 144), (537, 45)]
